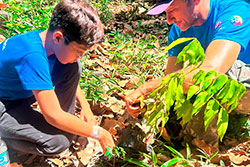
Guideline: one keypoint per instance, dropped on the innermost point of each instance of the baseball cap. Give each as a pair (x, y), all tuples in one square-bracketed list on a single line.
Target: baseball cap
[(161, 6)]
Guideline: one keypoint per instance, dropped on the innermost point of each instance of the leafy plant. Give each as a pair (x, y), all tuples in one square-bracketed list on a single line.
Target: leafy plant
[(124, 50), (91, 84), (116, 152), (103, 10), (205, 156), (217, 93), (179, 158), (25, 16), (152, 156)]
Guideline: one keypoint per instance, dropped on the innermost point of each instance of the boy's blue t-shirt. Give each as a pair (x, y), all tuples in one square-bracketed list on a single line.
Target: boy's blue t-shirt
[(227, 19), (24, 66)]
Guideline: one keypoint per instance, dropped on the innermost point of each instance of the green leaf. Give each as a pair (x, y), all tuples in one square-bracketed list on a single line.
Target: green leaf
[(180, 98), (210, 112), (222, 123), (200, 100), (192, 90), (235, 96), (154, 157), (231, 91), (199, 77), (185, 164), (108, 152), (171, 162), (187, 116), (138, 162), (222, 163), (224, 90), (220, 81), (170, 96), (175, 151), (234, 101), (155, 116), (186, 107), (177, 42), (201, 55), (117, 152), (122, 151), (208, 79), (188, 152), (210, 158), (242, 92), (192, 52)]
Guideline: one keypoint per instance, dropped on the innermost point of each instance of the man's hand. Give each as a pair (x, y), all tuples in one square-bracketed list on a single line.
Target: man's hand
[(131, 104)]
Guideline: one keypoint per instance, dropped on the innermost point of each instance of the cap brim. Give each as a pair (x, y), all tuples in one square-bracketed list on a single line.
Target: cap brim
[(159, 9)]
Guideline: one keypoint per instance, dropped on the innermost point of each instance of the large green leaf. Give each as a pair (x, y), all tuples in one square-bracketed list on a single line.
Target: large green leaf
[(192, 90), (180, 97), (177, 42), (210, 112), (208, 79), (186, 107), (222, 93), (231, 91), (233, 102), (200, 101), (199, 77), (222, 123), (170, 96), (220, 81), (192, 53), (155, 116)]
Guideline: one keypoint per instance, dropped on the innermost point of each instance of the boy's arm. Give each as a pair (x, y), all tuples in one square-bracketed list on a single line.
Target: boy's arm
[(86, 113), (220, 56), (55, 116)]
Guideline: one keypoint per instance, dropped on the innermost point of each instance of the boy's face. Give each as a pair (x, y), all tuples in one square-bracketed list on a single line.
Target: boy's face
[(67, 53)]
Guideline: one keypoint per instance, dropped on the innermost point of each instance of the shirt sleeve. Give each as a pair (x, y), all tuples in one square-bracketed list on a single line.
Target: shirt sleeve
[(34, 74), (233, 23)]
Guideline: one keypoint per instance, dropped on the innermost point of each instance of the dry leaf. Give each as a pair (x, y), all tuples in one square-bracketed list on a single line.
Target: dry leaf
[(56, 161), (116, 109), (237, 159), (128, 29), (112, 131), (208, 148), (109, 123), (93, 56)]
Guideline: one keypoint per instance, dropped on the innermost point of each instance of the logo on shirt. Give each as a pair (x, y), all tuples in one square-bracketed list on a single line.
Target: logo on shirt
[(236, 20), (217, 24)]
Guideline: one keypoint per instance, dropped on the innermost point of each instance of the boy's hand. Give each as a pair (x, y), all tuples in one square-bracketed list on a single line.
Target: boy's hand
[(106, 140)]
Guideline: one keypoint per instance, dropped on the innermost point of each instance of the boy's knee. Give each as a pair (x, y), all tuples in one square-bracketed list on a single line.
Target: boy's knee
[(56, 145)]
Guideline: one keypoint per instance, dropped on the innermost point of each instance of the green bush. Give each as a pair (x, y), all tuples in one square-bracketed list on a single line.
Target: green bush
[(24, 16)]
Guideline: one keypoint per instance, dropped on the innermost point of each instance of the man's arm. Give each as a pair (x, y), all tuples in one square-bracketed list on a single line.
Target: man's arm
[(55, 116), (220, 56), (86, 113)]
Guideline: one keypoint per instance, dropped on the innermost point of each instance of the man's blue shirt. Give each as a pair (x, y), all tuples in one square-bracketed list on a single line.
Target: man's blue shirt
[(24, 66), (227, 19)]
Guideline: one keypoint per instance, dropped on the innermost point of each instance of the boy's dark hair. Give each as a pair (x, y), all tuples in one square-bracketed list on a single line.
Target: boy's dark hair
[(78, 21)]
